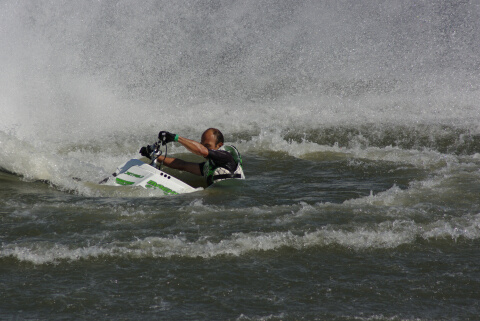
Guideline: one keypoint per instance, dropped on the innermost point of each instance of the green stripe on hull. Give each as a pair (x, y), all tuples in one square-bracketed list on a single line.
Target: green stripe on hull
[(155, 185), (123, 182), (134, 175)]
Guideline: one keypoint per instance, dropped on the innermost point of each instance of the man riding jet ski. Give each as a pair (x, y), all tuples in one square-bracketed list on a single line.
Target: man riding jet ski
[(223, 162)]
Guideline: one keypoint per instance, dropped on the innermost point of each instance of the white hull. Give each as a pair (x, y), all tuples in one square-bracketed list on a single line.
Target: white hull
[(137, 173)]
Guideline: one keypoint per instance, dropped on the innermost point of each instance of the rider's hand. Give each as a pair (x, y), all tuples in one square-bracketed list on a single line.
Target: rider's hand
[(146, 151), (167, 137)]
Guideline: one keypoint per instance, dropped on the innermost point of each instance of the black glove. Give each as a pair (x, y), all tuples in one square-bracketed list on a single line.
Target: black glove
[(167, 137), (146, 150)]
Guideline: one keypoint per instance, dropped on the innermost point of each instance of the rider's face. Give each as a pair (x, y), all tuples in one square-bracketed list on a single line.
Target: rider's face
[(209, 140)]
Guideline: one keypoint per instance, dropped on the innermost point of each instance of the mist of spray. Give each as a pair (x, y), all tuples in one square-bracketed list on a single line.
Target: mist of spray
[(79, 70)]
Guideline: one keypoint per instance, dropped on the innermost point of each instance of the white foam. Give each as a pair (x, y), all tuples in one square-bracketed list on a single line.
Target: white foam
[(467, 227), (387, 234)]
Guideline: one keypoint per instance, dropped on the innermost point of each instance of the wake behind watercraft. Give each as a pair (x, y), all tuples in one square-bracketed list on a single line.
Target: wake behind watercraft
[(137, 173)]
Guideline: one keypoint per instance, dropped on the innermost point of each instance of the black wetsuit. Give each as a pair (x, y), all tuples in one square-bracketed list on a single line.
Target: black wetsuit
[(220, 158)]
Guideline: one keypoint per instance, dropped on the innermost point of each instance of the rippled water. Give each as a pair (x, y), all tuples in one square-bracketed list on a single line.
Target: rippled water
[(323, 234)]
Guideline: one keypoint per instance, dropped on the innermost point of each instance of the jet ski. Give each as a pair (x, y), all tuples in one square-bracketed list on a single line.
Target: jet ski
[(137, 173)]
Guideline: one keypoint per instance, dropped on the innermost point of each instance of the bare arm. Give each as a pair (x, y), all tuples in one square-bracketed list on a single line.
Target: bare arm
[(193, 146), (179, 164)]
